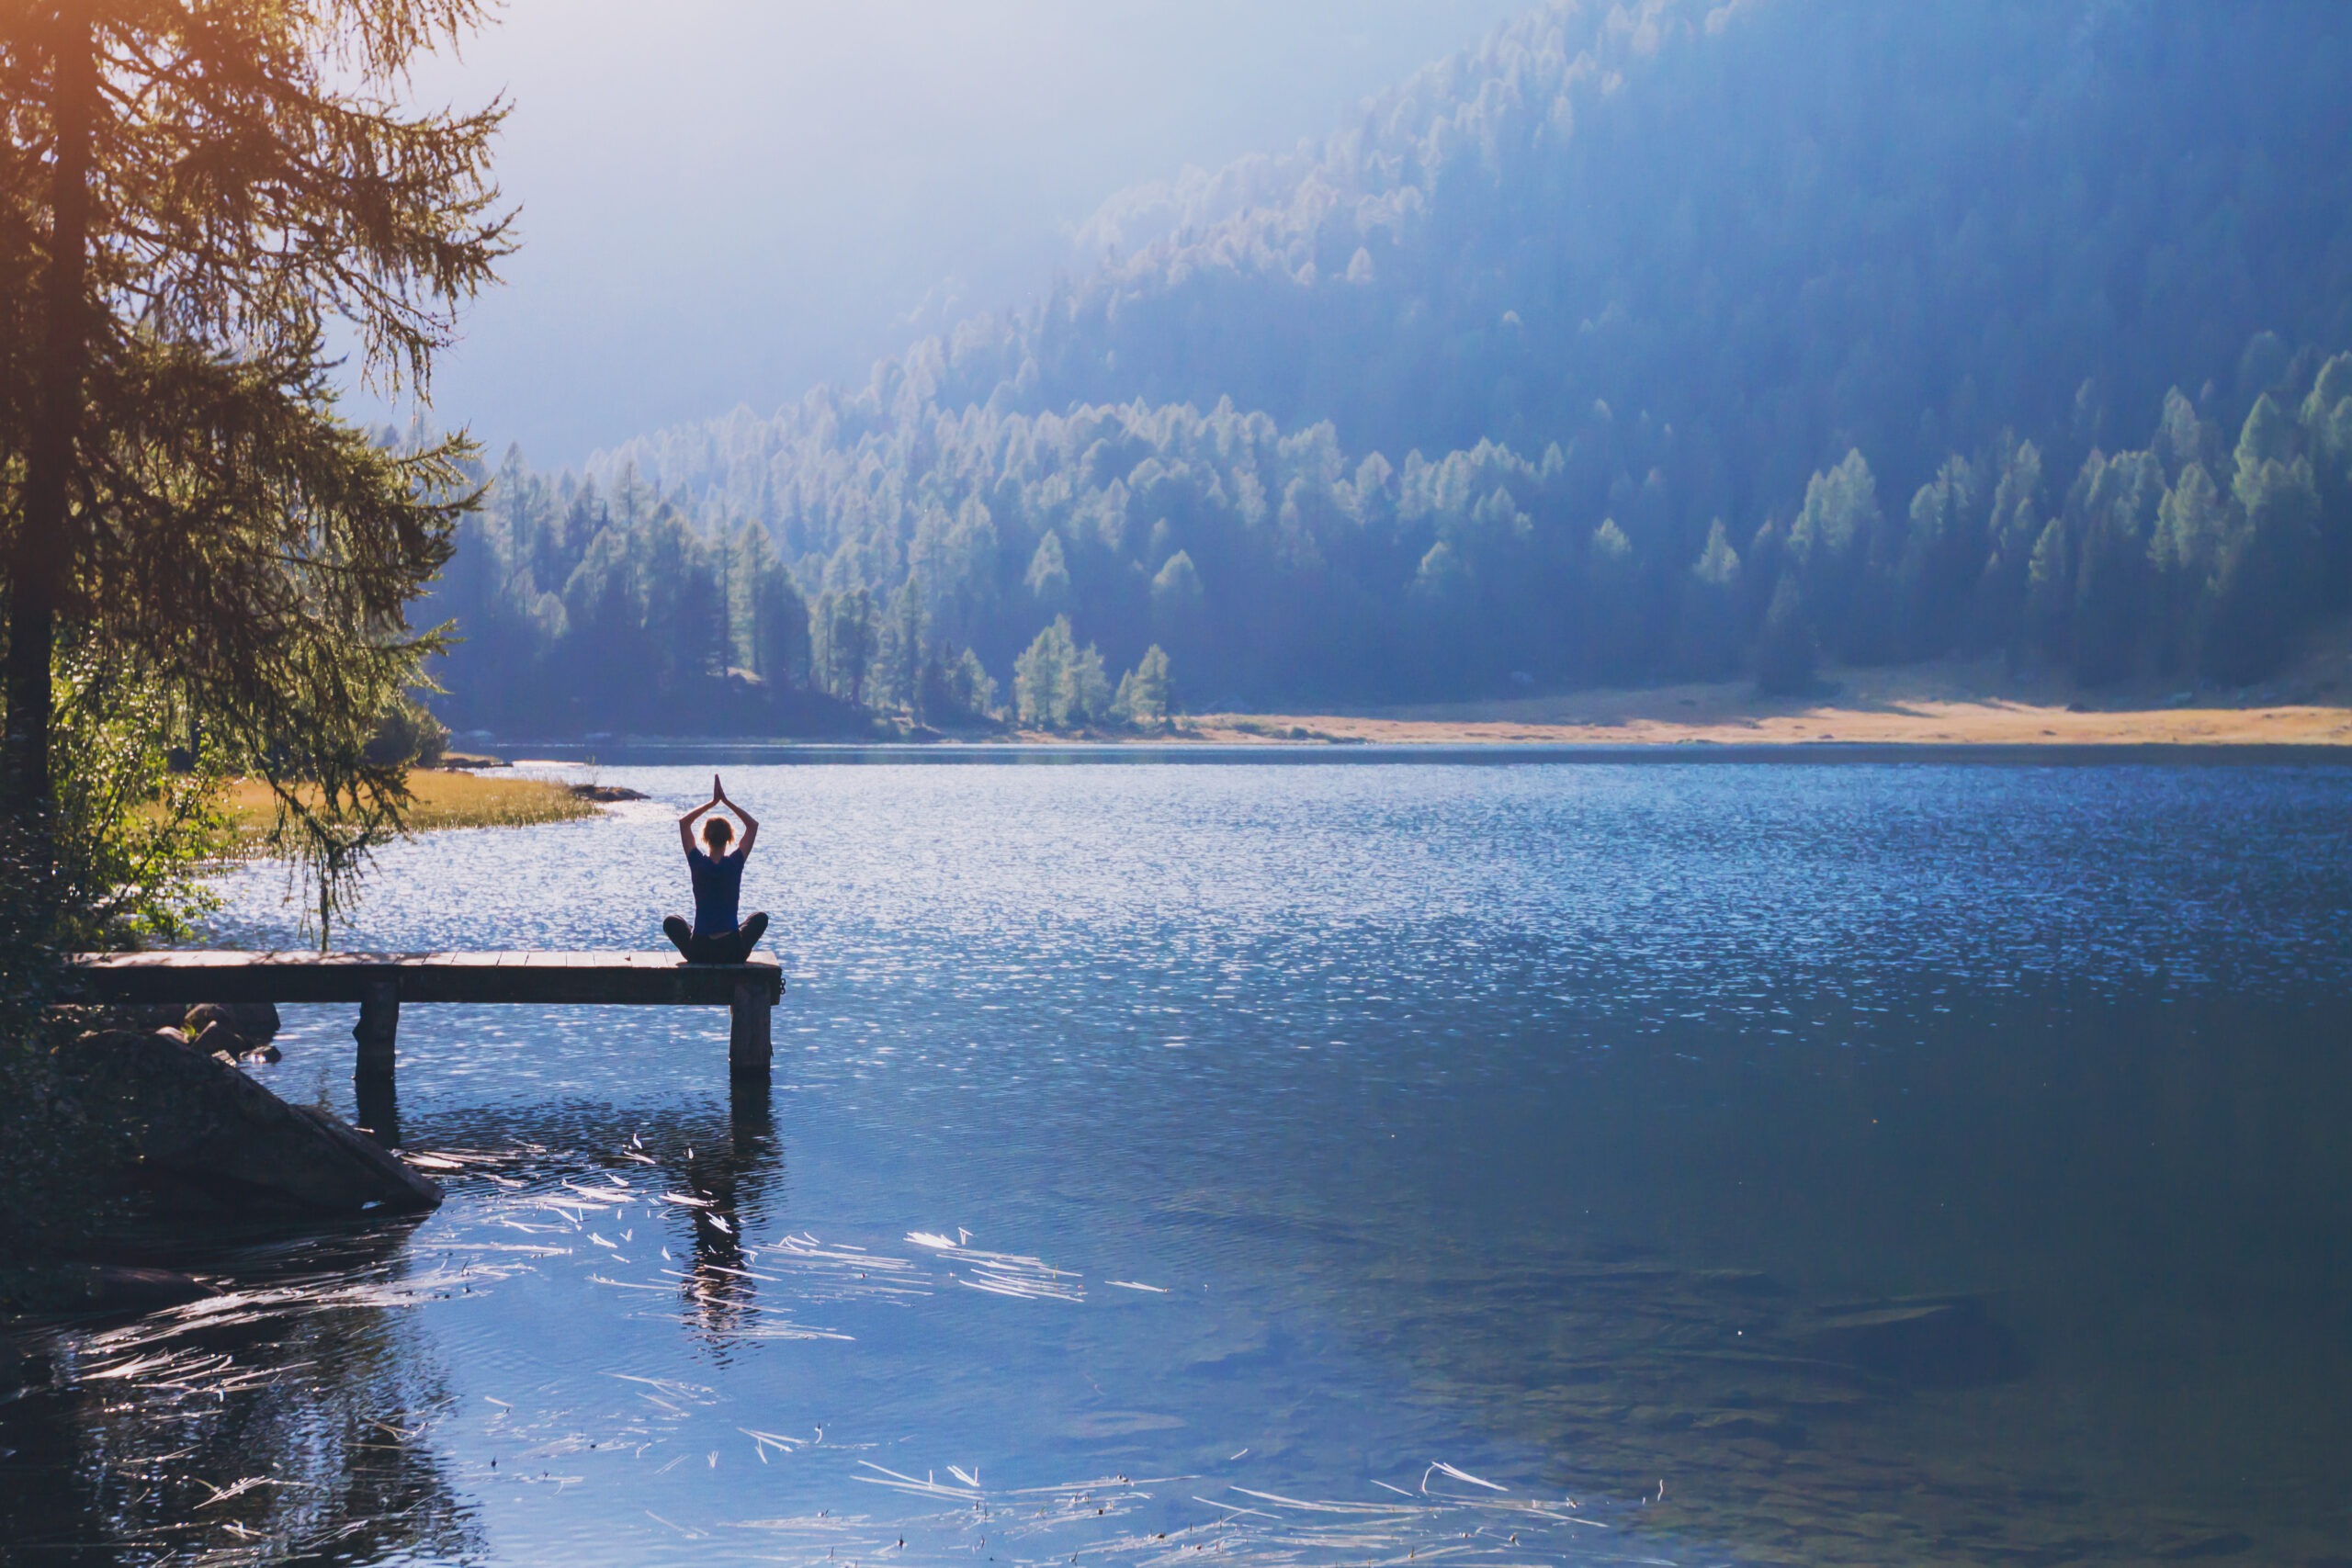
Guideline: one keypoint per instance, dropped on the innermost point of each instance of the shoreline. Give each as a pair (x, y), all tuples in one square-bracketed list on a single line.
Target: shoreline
[(1928, 726), (1073, 749), (1925, 729), (1951, 708)]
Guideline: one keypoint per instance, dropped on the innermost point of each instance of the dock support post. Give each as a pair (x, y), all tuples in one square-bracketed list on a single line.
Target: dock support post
[(379, 1108), (749, 1050), (379, 1028)]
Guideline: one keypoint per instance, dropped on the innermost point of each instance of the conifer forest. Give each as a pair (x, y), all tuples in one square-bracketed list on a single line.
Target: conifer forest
[(1685, 340)]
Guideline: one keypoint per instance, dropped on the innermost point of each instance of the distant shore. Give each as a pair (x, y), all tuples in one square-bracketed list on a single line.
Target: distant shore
[(1948, 703), (1925, 724), (1951, 705)]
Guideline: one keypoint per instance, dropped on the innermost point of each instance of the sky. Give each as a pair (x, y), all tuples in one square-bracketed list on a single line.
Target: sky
[(726, 202)]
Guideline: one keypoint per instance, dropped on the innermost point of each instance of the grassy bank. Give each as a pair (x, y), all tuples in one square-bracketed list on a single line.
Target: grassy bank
[(441, 800)]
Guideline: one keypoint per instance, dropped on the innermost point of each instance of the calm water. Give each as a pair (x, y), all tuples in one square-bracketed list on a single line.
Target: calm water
[(1503, 1164)]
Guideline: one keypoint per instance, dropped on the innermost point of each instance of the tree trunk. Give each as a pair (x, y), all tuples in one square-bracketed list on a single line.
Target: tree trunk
[(37, 571)]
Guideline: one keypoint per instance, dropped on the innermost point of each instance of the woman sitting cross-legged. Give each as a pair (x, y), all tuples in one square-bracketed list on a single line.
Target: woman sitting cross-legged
[(714, 937)]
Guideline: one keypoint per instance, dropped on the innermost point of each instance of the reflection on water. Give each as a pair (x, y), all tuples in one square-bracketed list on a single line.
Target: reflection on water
[(1502, 1164), (282, 1419)]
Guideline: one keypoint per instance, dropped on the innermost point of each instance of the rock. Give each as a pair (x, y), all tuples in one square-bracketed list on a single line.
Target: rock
[(1922, 1341), (256, 1022), (605, 795), (199, 1018), (212, 1140), (216, 1039), (223, 1043)]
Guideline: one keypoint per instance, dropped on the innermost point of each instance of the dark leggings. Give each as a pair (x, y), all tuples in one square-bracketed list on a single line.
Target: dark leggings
[(735, 947)]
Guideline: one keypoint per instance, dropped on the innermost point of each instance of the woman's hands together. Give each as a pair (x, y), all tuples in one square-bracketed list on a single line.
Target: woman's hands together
[(750, 823)]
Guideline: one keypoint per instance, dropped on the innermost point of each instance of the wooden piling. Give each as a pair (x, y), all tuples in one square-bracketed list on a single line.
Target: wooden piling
[(379, 1027), (749, 1049)]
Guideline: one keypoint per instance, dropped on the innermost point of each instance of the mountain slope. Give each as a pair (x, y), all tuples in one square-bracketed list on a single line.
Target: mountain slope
[(1616, 347)]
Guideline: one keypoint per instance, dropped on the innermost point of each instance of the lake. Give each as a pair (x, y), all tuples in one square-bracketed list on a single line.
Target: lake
[(1506, 1162)]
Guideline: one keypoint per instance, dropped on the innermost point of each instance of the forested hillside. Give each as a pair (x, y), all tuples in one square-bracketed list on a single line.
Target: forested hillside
[(1659, 339)]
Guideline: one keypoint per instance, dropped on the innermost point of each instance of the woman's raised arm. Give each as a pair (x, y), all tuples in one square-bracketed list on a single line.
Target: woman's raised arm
[(687, 825)]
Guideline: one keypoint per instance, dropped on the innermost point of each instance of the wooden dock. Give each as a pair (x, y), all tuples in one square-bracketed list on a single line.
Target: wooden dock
[(381, 982)]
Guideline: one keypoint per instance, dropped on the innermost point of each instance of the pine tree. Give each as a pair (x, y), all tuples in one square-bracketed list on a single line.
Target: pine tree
[(189, 193), (2182, 438), (1085, 697), (901, 652), (846, 634), (1942, 549), (681, 614), (1147, 693), (773, 618), (2011, 533), (2113, 593), (1048, 576), (2267, 569), (2184, 554), (1708, 639), (959, 687), (1041, 679), (1613, 620), (1830, 545), (2050, 592), (1176, 596), (2327, 437)]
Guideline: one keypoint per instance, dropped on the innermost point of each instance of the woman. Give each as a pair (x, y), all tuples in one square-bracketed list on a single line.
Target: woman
[(714, 937)]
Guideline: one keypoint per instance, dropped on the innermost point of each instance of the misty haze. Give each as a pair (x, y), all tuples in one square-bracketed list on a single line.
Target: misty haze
[(1341, 783)]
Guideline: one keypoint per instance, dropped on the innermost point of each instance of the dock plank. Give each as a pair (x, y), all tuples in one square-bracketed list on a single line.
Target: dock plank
[(642, 979)]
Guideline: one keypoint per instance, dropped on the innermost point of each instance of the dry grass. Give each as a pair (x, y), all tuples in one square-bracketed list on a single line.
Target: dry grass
[(440, 800), (1949, 703), (1682, 715)]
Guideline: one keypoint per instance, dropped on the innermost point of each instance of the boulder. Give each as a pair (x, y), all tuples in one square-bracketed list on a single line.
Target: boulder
[(223, 1043), (256, 1021), (216, 1039), (211, 1140)]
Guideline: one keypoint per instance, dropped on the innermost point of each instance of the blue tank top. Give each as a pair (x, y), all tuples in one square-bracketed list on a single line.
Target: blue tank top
[(718, 889)]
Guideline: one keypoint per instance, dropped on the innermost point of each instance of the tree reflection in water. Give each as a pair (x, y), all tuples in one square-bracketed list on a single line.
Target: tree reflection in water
[(282, 1422)]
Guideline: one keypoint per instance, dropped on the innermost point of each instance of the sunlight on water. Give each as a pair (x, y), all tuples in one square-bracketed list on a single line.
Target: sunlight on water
[(1502, 1164)]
